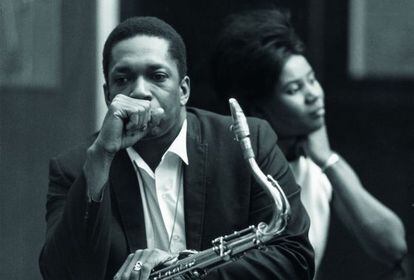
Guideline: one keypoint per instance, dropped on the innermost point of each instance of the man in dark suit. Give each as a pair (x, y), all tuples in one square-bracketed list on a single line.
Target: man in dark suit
[(160, 177)]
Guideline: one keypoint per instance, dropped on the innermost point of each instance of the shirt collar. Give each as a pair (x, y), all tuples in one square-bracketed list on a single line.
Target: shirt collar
[(178, 147)]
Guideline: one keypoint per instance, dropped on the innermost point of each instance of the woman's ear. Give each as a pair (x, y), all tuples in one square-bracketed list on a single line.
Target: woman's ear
[(184, 90), (260, 107), (250, 106), (256, 110)]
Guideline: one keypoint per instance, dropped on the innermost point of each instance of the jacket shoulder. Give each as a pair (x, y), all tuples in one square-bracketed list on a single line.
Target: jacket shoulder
[(206, 121), (71, 160)]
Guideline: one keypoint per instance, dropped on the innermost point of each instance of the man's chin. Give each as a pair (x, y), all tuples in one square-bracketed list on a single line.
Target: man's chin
[(155, 132)]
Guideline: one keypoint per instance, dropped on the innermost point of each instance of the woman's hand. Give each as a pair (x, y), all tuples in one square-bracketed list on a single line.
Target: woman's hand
[(317, 146)]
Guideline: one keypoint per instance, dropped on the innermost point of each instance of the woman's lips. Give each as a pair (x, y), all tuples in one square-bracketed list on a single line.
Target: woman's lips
[(320, 112)]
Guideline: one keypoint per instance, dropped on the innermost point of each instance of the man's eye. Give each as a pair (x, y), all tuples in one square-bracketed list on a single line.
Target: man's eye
[(312, 79), (120, 81), (159, 77)]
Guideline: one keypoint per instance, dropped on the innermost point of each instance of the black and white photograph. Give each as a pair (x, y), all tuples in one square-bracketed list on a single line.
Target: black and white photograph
[(217, 140)]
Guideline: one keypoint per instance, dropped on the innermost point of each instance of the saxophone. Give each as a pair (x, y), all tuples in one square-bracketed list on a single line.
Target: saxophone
[(194, 265)]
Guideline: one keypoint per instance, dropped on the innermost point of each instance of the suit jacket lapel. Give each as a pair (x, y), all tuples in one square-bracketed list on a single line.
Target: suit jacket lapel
[(194, 184), (124, 184)]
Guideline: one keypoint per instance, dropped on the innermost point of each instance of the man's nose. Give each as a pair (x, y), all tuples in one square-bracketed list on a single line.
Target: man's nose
[(141, 89)]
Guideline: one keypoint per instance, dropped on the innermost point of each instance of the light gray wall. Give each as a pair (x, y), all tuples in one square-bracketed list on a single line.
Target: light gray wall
[(36, 124)]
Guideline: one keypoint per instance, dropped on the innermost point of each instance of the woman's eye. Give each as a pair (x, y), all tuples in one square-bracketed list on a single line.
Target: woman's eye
[(312, 79), (293, 88)]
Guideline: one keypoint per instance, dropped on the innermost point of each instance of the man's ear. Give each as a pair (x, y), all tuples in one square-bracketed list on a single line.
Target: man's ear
[(184, 90), (106, 92)]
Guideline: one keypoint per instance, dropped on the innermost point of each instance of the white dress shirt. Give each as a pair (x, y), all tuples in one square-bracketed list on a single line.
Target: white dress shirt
[(162, 195), (316, 196)]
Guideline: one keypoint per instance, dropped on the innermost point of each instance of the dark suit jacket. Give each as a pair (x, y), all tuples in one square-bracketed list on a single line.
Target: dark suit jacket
[(92, 240)]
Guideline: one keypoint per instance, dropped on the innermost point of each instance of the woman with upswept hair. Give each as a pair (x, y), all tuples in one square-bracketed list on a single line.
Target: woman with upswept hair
[(260, 61)]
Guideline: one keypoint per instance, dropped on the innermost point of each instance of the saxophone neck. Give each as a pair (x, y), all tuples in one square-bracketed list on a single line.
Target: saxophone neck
[(281, 209), (281, 206)]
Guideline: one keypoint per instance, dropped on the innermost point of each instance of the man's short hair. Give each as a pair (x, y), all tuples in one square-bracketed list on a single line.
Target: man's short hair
[(251, 51), (149, 26)]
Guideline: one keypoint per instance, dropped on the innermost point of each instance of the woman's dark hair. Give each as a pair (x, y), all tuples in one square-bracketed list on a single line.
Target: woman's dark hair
[(251, 51), (150, 26)]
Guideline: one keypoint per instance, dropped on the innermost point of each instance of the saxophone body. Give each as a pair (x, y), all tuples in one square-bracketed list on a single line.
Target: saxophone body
[(195, 265)]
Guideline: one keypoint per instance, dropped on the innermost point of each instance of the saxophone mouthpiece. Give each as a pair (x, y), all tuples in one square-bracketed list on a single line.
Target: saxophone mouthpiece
[(241, 128)]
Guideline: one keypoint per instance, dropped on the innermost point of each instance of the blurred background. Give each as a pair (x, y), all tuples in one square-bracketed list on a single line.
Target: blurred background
[(51, 98)]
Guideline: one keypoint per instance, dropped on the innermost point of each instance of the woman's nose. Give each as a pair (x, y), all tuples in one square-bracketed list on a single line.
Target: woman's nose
[(313, 92)]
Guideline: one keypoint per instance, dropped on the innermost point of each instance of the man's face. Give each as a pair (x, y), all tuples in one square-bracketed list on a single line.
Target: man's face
[(141, 67), (297, 105)]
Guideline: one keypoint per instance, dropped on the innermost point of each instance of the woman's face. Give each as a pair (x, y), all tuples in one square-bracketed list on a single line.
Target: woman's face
[(297, 105)]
